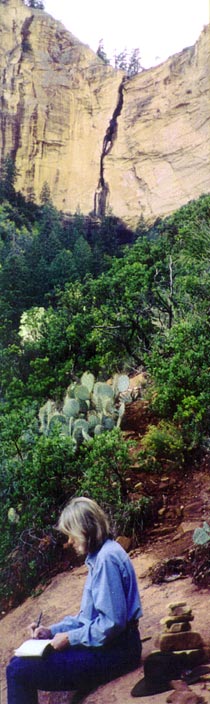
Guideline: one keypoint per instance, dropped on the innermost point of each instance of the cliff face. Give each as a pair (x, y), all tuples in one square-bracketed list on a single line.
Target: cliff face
[(138, 146)]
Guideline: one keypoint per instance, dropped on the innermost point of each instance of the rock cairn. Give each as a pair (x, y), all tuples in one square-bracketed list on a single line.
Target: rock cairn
[(176, 633), (182, 654)]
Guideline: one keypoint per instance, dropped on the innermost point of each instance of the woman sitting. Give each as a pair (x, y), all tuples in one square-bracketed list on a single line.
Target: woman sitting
[(100, 643)]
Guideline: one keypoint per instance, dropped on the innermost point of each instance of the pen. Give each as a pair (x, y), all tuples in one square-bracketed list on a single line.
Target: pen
[(39, 620)]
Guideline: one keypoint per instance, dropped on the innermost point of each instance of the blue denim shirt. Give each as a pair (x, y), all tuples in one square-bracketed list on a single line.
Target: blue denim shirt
[(110, 599)]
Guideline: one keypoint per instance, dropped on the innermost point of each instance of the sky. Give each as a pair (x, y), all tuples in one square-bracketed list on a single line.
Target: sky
[(159, 28)]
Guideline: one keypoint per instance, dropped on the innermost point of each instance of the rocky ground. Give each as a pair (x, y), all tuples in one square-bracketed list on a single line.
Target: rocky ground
[(170, 538)]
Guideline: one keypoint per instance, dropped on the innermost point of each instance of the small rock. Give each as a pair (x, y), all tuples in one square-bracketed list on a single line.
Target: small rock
[(161, 512), (188, 526), (124, 542), (182, 694), (139, 485), (176, 605), (180, 641), (180, 627), (176, 627), (179, 609)]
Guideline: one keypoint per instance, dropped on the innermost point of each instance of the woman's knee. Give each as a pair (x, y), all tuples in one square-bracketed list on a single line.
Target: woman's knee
[(16, 669), (12, 667)]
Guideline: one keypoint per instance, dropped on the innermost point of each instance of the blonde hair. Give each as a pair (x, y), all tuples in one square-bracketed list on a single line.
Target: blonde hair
[(84, 520)]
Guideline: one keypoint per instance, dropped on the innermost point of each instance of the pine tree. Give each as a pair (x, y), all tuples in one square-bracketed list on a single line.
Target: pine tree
[(134, 65), (8, 176), (101, 53)]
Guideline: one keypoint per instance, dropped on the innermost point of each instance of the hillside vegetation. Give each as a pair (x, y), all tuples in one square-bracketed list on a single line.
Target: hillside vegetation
[(82, 295)]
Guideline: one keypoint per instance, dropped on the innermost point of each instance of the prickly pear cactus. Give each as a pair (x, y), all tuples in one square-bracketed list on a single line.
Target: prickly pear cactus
[(98, 429), (121, 383), (121, 412), (88, 380), (108, 423), (92, 421), (81, 392), (60, 419), (45, 413), (89, 408), (71, 407)]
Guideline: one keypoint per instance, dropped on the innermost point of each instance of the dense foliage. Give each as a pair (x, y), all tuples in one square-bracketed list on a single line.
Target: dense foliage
[(77, 294)]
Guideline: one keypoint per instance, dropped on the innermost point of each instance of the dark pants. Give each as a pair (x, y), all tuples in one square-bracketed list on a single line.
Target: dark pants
[(76, 668)]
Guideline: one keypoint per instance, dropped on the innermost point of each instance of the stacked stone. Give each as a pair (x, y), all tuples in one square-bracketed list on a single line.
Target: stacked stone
[(176, 631)]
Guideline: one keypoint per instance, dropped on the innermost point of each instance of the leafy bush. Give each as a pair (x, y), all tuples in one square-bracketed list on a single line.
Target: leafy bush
[(134, 517), (41, 550), (36, 476), (104, 466), (162, 447), (180, 365), (192, 416)]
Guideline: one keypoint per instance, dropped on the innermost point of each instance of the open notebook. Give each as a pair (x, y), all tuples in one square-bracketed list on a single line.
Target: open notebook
[(34, 647)]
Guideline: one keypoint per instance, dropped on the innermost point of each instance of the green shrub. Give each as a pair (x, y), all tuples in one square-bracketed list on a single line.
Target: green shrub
[(104, 465), (162, 447), (191, 415), (134, 517), (179, 365), (35, 484)]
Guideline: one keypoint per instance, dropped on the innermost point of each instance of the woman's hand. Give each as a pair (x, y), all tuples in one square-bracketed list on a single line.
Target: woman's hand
[(60, 641), (40, 632)]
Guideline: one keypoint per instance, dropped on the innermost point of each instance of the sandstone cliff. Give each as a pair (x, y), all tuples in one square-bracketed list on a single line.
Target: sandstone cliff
[(140, 147)]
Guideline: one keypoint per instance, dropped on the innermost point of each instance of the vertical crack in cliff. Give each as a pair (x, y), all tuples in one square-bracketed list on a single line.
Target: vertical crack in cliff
[(102, 191), (25, 34)]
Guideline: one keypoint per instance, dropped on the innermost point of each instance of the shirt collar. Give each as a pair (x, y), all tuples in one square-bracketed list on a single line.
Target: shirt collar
[(91, 558)]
